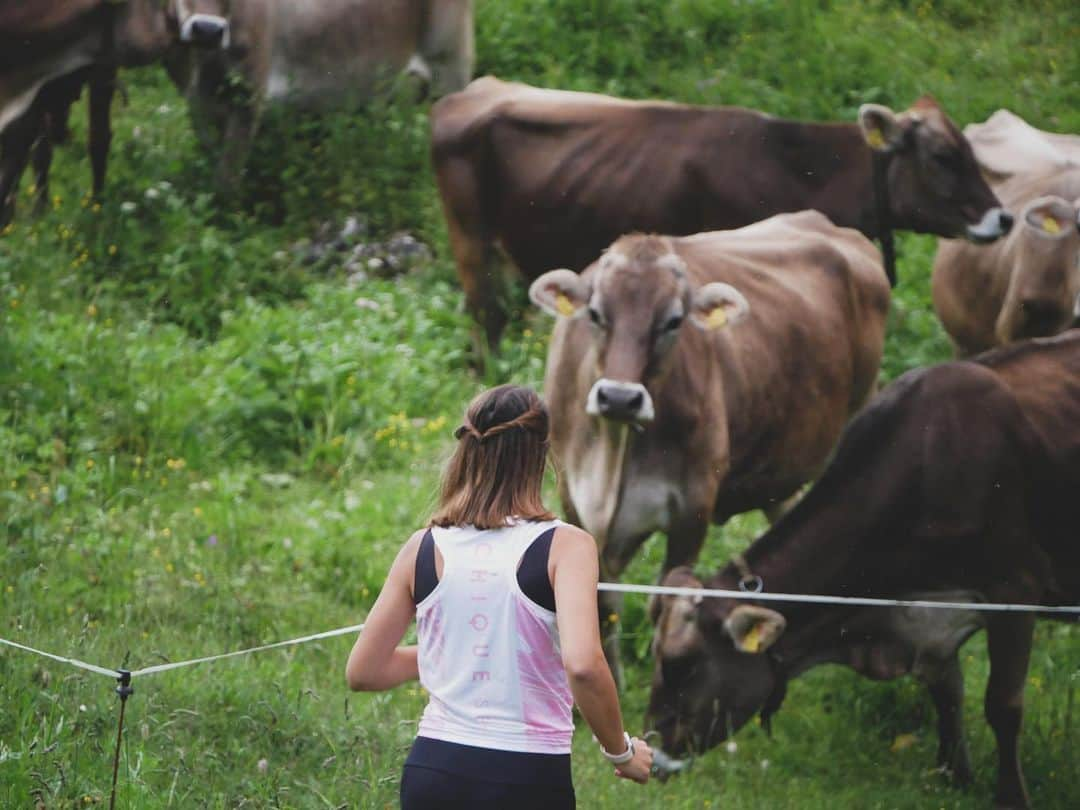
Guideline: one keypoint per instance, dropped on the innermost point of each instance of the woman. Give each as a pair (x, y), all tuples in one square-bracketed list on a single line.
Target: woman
[(504, 597)]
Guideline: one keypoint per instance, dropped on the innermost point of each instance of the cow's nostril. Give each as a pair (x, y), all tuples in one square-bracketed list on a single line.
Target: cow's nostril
[(636, 401), (602, 397), (1006, 221)]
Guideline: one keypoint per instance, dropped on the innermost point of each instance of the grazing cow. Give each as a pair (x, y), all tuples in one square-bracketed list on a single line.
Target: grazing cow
[(960, 477), (693, 378), (1026, 285), (50, 48), (878, 643), (317, 54), (1005, 144), (555, 176)]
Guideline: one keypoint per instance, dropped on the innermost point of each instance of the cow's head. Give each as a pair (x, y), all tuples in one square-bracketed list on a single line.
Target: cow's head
[(147, 30), (638, 298), (711, 672), (1043, 256), (935, 185), (202, 23)]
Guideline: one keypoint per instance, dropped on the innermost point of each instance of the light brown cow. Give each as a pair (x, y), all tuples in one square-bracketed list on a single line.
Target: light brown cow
[(1005, 144), (319, 54), (553, 177), (693, 378), (1027, 285)]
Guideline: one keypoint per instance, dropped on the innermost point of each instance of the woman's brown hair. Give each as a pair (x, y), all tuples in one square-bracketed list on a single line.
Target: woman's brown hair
[(497, 470)]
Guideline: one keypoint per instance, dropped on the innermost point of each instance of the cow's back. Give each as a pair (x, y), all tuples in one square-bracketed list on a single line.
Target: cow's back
[(556, 176), (1044, 377), (811, 345), (801, 272)]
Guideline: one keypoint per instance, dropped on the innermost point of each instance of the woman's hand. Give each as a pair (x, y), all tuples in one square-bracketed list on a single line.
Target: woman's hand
[(638, 768)]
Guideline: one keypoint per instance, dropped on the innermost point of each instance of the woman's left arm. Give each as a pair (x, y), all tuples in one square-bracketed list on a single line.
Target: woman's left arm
[(376, 661)]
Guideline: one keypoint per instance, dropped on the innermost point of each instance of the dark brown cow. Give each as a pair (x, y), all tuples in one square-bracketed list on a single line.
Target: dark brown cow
[(554, 177), (1026, 285), (50, 49), (693, 378), (961, 477)]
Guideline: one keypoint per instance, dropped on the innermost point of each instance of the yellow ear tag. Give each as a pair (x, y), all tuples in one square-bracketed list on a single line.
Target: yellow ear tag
[(752, 639), (875, 139), (717, 318), (1051, 225), (563, 304)]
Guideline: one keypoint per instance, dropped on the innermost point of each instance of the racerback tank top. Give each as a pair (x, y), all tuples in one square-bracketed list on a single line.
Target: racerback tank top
[(489, 656)]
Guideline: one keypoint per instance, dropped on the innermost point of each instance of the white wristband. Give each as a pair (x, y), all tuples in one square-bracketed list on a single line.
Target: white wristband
[(624, 757)]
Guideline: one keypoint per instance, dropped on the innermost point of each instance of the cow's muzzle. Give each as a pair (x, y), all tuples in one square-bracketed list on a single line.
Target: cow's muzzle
[(621, 401), (994, 224), (665, 766), (205, 31)]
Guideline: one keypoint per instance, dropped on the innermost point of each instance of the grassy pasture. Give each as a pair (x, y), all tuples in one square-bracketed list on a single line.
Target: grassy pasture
[(207, 443)]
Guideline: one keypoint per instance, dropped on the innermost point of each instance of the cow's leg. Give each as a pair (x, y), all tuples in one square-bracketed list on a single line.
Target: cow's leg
[(1009, 644), (947, 691), (42, 155), (102, 89), (239, 132), (447, 45), (15, 145), (479, 265), (684, 540), (613, 561)]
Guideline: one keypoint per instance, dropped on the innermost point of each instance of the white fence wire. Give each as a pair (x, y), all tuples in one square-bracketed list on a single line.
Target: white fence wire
[(615, 587)]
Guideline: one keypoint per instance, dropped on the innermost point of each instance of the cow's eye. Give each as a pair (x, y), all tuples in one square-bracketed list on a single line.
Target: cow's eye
[(673, 323)]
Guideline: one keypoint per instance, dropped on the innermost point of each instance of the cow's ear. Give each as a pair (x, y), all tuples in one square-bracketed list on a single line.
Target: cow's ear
[(1050, 215), (717, 305), (562, 293), (754, 629), (682, 576), (882, 129)]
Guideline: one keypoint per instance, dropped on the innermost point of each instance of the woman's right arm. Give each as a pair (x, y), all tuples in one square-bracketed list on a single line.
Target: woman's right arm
[(575, 571)]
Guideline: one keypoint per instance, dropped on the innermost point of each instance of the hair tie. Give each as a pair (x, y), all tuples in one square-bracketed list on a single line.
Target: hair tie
[(467, 427), (523, 421)]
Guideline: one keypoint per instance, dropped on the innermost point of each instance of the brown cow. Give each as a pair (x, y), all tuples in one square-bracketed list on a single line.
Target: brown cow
[(1026, 285), (668, 412), (320, 54), (50, 48), (554, 176), (878, 643), (960, 477)]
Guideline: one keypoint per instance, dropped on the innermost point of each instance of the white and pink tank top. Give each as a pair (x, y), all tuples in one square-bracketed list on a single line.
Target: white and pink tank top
[(488, 655)]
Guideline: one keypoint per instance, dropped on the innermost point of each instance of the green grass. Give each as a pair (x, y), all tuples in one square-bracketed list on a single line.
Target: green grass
[(207, 444)]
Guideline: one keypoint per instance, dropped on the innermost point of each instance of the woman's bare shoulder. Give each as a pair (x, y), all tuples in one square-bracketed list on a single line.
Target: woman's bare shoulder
[(573, 540), (571, 533), (412, 545)]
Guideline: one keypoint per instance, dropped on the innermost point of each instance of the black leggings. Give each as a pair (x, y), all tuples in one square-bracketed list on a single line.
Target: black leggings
[(446, 776)]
